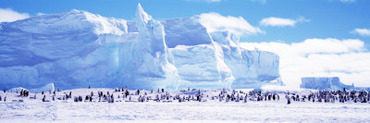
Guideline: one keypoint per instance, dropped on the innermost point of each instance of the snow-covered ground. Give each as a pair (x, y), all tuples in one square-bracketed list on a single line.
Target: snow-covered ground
[(34, 110)]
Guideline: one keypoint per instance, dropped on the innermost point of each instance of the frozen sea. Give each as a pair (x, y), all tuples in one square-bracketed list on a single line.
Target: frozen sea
[(34, 110)]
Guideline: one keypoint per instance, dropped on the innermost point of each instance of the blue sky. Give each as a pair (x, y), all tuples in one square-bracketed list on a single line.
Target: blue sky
[(312, 37)]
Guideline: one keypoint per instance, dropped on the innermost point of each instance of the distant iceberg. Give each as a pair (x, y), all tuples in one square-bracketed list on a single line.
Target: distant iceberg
[(46, 88), (324, 83)]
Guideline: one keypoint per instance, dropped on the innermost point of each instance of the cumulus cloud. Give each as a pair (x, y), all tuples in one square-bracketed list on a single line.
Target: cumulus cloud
[(346, 59), (238, 25), (362, 32), (9, 15), (276, 21)]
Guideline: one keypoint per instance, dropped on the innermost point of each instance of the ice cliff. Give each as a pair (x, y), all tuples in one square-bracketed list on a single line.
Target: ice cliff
[(77, 49)]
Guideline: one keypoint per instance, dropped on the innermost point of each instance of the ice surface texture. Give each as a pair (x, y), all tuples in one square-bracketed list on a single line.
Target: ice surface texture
[(77, 49)]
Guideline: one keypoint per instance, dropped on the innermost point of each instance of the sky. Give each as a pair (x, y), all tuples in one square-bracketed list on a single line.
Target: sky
[(312, 37)]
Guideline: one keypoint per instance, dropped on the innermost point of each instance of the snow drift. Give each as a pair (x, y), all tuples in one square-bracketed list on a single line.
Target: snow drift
[(77, 49)]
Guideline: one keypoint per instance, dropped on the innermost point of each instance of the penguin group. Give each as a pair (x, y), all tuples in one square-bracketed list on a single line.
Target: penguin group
[(329, 96), (197, 95)]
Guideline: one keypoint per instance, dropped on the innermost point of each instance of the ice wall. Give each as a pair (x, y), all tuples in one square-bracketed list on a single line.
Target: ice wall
[(77, 49)]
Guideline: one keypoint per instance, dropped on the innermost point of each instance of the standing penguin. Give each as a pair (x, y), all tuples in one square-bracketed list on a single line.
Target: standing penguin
[(90, 98), (70, 94), (75, 99), (227, 98), (112, 98), (21, 93), (288, 99), (43, 99), (246, 98), (79, 98)]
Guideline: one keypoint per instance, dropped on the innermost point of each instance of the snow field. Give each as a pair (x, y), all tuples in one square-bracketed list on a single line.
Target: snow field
[(268, 111)]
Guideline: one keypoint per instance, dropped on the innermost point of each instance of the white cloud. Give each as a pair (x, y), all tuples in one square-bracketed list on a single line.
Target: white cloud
[(347, 1), (9, 15), (343, 1), (346, 59), (362, 32), (238, 25), (261, 1), (276, 21), (40, 14), (329, 45), (213, 0)]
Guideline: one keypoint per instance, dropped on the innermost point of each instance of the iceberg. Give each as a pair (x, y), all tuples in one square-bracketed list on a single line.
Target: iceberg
[(77, 49), (49, 87), (324, 83)]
